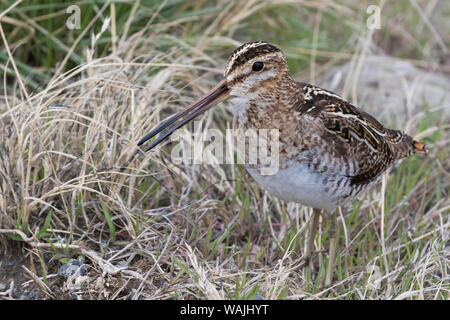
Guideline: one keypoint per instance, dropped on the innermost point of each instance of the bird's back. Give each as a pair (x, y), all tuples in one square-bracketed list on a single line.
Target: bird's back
[(348, 132)]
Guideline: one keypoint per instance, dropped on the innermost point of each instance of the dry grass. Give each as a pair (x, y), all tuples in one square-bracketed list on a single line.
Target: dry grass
[(74, 184)]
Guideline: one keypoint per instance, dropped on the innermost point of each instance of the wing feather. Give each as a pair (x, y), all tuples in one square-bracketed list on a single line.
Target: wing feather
[(356, 134)]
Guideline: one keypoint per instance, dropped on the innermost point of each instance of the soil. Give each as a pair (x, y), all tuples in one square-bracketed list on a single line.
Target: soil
[(12, 258)]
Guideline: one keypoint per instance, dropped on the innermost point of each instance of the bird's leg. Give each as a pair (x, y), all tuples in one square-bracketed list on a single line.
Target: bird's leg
[(333, 234), (312, 235)]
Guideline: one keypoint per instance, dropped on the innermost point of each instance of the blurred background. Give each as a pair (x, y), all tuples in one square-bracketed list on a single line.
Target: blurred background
[(44, 33)]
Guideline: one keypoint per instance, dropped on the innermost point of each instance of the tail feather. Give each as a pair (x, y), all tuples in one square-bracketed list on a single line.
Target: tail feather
[(419, 147)]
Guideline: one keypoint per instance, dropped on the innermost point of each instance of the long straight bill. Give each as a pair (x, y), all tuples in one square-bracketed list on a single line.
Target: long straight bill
[(168, 126)]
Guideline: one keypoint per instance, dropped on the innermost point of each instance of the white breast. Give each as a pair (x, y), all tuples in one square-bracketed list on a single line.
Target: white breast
[(297, 184)]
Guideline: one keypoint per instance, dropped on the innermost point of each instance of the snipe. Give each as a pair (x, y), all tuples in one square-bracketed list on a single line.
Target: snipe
[(330, 150)]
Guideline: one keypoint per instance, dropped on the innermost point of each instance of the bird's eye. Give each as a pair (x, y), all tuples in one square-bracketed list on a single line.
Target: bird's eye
[(257, 66)]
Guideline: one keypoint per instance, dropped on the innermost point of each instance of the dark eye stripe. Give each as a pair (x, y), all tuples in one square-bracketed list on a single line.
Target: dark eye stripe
[(251, 53)]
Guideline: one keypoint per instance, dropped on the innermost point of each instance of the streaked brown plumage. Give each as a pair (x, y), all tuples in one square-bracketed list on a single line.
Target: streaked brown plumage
[(345, 147), (330, 150), (341, 149)]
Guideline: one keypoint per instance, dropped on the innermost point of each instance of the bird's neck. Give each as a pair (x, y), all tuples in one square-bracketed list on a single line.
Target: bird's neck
[(256, 108)]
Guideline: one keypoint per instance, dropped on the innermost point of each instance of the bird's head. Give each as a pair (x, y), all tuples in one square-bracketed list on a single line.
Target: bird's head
[(254, 70)]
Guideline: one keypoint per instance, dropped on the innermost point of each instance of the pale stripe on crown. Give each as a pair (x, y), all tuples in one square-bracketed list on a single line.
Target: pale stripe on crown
[(243, 49)]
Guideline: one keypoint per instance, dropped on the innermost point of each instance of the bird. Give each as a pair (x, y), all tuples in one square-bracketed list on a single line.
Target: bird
[(330, 151)]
